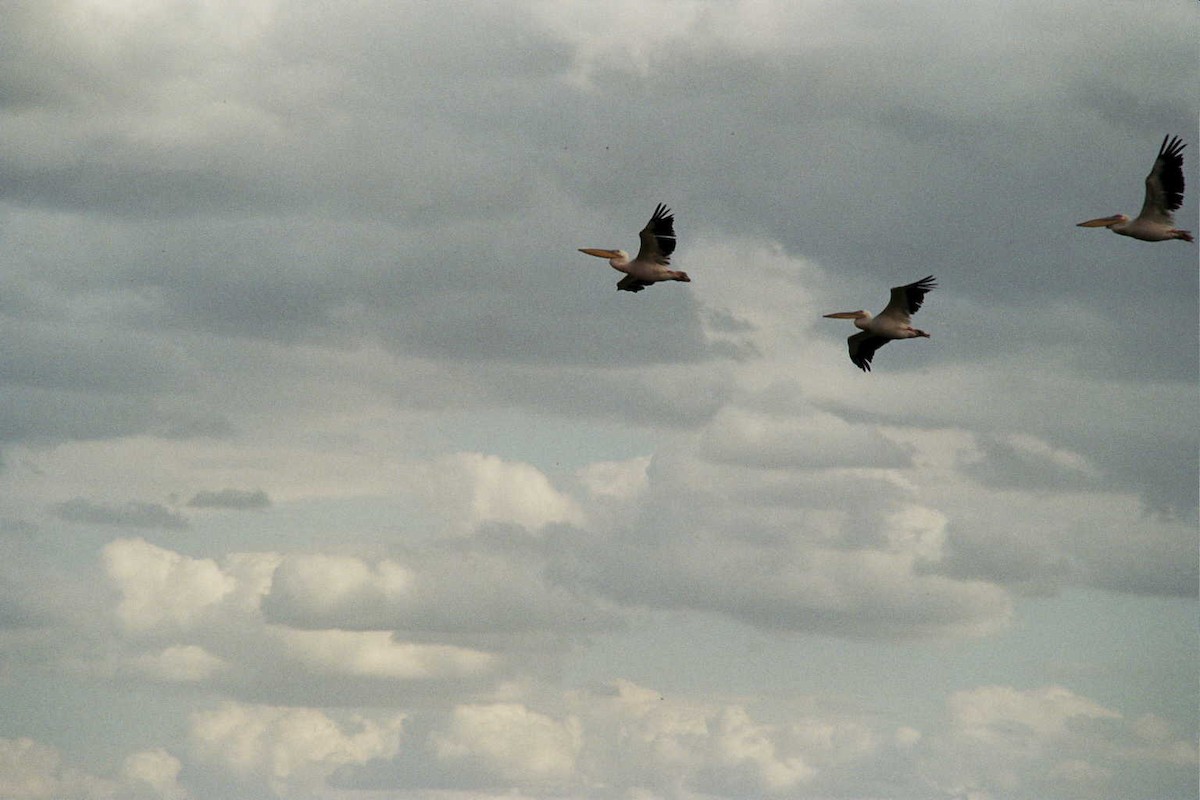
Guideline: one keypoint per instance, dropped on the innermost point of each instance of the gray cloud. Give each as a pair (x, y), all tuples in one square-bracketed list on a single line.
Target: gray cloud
[(293, 245), (496, 588), (238, 499), (129, 515)]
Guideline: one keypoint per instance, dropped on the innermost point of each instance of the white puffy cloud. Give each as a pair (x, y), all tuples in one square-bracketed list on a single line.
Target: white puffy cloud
[(1046, 712), (511, 743), (178, 664), (637, 739), (158, 771), (1050, 742), (290, 750), (626, 740), (630, 739), (473, 489), (162, 590), (31, 770), (747, 751), (317, 585), (489, 588), (213, 612), (833, 549)]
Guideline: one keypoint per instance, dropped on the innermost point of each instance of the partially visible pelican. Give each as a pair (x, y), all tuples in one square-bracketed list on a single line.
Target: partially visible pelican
[(894, 322), (1164, 194), (650, 266)]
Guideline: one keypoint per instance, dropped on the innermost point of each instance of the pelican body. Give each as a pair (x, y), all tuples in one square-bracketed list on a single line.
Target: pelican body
[(894, 322), (653, 258), (1164, 194)]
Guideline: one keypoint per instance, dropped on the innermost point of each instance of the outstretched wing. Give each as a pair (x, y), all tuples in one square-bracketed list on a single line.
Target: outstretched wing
[(862, 348), (658, 237), (632, 284), (907, 300), (1164, 184)]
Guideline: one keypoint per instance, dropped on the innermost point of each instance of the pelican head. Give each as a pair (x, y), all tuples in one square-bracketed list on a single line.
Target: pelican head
[(1104, 222), (619, 255), (848, 315)]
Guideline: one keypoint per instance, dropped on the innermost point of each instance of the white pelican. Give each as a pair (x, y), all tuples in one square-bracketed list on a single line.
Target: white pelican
[(1164, 194), (894, 322), (650, 266)]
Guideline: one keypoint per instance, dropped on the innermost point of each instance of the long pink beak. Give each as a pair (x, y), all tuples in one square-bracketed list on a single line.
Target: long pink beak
[(1099, 222)]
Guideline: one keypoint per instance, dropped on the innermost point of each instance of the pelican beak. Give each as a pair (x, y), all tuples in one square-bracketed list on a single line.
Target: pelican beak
[(843, 315), (1099, 222), (598, 252)]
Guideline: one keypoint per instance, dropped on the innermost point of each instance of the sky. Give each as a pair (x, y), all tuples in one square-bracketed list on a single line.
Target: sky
[(331, 470)]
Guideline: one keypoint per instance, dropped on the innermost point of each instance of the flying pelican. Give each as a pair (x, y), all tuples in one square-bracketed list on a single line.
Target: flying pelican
[(650, 266), (1164, 194), (894, 322)]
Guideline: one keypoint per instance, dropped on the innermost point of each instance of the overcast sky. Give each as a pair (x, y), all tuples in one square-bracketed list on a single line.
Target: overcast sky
[(330, 469)]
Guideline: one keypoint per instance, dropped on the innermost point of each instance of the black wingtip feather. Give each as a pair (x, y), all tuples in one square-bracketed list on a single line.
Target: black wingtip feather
[(915, 292), (1169, 166), (1172, 147), (662, 224)]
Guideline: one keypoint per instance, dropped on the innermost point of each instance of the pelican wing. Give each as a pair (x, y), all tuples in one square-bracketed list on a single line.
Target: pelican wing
[(862, 348), (632, 284), (1164, 184), (907, 300), (658, 237)]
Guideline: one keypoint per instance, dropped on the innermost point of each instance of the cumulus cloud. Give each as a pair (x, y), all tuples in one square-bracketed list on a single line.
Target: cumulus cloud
[(511, 743), (158, 771), (177, 664), (287, 749), (814, 543), (476, 489), (863, 593), (1014, 740), (1044, 741), (162, 590), (623, 739), (745, 758), (490, 588), (316, 586), (31, 770)]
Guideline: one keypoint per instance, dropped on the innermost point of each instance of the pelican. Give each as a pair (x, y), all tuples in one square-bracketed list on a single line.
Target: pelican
[(650, 266), (894, 322), (1164, 194)]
